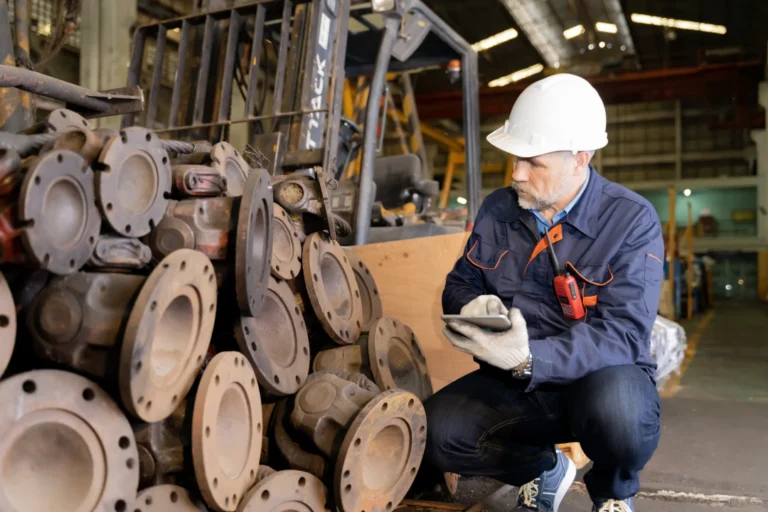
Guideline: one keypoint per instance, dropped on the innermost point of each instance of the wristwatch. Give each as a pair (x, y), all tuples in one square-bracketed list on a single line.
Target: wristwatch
[(524, 371)]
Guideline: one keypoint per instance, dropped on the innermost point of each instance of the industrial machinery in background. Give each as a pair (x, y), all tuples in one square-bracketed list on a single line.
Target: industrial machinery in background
[(180, 327)]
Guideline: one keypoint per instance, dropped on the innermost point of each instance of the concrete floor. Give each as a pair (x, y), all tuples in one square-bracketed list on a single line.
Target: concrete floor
[(713, 454)]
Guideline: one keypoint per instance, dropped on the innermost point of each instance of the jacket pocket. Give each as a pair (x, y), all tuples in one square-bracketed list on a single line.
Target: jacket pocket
[(592, 278), (485, 256), (654, 271)]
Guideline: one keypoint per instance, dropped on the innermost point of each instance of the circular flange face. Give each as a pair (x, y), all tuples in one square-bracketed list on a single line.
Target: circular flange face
[(168, 334), (228, 162), (61, 120), (82, 141), (396, 358), (166, 498), (381, 453), (369, 292), (58, 203), (64, 445), (253, 247), (226, 431), (289, 490), (332, 288), (133, 185), (7, 324), (276, 342), (286, 247)]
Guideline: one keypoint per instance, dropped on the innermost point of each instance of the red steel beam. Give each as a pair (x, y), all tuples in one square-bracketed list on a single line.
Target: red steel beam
[(736, 83)]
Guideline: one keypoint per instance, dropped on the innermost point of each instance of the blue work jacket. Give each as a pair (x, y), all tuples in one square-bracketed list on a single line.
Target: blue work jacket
[(610, 241)]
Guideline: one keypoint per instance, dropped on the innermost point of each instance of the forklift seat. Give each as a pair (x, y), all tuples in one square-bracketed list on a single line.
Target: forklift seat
[(400, 179)]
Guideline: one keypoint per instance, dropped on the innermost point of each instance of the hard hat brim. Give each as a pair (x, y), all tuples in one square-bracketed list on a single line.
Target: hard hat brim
[(502, 140)]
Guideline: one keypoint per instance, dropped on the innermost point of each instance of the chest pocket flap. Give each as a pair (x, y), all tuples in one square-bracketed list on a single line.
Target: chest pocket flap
[(593, 278), (484, 255)]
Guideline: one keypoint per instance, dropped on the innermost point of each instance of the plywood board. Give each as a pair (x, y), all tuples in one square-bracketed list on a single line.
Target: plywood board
[(410, 276)]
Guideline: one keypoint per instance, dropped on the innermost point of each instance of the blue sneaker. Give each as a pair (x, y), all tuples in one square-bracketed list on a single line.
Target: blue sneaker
[(545, 493), (627, 505)]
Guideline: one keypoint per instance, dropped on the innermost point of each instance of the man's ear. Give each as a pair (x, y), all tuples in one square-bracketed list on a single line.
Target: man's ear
[(582, 159)]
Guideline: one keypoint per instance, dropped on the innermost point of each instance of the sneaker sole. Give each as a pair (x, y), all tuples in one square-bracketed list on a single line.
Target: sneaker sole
[(570, 476)]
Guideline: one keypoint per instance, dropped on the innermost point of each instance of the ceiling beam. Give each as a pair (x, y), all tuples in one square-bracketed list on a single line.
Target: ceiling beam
[(736, 83)]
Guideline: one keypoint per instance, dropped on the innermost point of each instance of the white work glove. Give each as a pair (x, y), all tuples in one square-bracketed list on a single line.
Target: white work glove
[(484, 305), (505, 350)]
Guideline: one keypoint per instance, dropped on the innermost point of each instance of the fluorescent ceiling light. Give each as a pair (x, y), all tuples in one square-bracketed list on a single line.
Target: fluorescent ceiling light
[(517, 76), (536, 21), (572, 32), (610, 28), (646, 19), (495, 40), (601, 44)]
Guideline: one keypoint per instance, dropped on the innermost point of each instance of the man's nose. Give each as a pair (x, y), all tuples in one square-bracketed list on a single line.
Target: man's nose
[(520, 172)]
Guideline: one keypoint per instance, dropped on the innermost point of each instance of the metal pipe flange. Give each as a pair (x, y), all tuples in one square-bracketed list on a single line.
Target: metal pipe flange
[(276, 342), (226, 431), (167, 334), (349, 359), (369, 292), (332, 288), (62, 119), (7, 324), (166, 498), (81, 140), (253, 246), (135, 181), (64, 445), (381, 453), (286, 246), (202, 224), (288, 490), (397, 360), (57, 205), (230, 164)]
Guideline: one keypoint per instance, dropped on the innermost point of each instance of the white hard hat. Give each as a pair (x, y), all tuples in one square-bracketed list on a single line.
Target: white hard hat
[(562, 112)]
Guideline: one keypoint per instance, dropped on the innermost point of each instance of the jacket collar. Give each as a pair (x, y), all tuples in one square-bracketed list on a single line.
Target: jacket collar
[(583, 216)]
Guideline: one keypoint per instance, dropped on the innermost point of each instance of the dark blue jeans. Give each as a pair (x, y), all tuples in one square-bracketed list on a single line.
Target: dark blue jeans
[(485, 424)]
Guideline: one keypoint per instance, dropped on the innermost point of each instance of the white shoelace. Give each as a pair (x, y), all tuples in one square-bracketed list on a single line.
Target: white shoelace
[(526, 496), (614, 506)]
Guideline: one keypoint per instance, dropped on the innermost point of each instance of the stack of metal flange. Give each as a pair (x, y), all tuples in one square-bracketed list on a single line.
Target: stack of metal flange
[(160, 315)]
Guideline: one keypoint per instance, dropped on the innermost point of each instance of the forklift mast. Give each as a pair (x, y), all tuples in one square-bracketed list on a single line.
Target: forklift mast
[(289, 59)]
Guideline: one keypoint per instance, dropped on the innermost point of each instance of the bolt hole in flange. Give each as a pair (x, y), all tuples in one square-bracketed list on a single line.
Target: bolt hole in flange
[(64, 449), (168, 332), (226, 436)]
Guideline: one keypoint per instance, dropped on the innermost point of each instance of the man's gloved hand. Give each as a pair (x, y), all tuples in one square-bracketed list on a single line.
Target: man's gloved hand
[(484, 305), (504, 350)]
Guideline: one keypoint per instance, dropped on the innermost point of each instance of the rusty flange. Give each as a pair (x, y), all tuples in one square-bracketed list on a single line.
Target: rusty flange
[(369, 292), (7, 324), (134, 181), (120, 252), (197, 181), (64, 445), (396, 358), (381, 453), (62, 119), (289, 490), (325, 407), (167, 334), (226, 430), (77, 319), (351, 358), (228, 162), (82, 141), (276, 341), (58, 205), (201, 224), (286, 247), (332, 288), (253, 247), (166, 498)]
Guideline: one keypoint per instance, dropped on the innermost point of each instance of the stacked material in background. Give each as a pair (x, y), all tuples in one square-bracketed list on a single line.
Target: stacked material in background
[(668, 344)]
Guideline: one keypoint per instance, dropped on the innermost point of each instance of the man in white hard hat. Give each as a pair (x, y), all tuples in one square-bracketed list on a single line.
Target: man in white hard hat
[(575, 365)]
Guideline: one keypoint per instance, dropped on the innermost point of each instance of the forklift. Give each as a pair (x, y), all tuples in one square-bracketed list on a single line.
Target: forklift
[(278, 67)]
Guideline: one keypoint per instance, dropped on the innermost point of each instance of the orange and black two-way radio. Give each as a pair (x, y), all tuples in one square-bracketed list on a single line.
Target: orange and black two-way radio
[(566, 288)]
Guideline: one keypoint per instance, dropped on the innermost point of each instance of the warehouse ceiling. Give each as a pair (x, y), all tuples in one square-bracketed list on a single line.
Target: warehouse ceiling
[(604, 36)]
